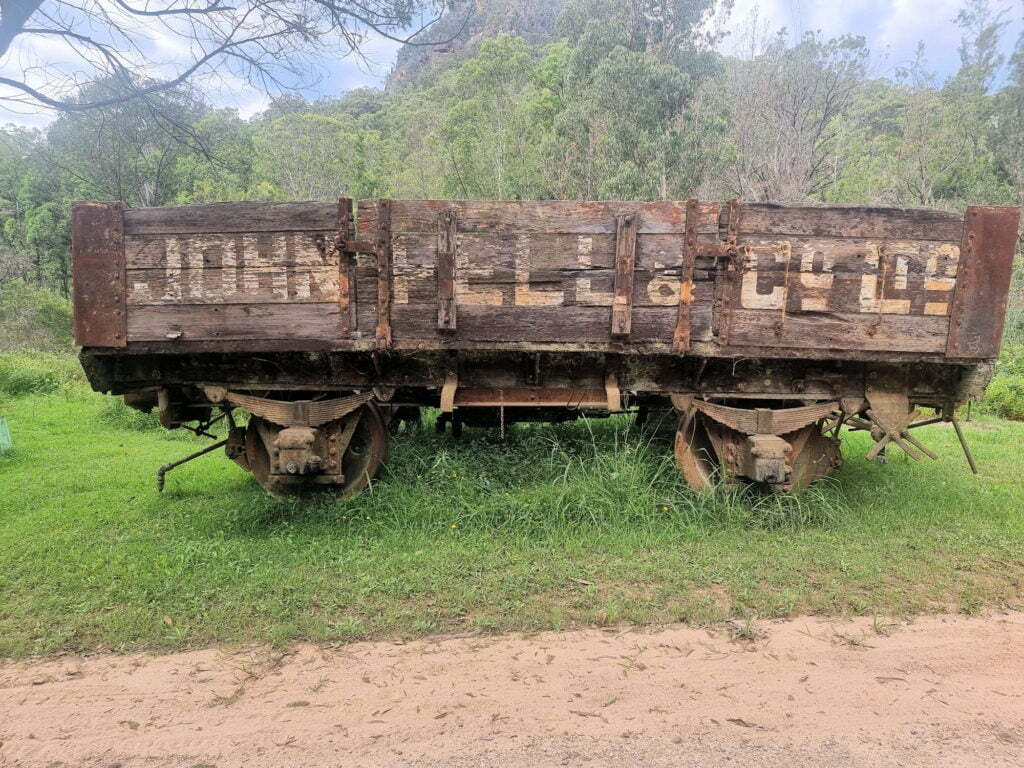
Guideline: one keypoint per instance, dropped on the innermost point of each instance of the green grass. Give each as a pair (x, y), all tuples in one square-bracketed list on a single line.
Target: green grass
[(582, 524)]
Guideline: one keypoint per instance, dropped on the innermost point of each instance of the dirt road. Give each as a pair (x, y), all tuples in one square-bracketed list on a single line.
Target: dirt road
[(937, 691)]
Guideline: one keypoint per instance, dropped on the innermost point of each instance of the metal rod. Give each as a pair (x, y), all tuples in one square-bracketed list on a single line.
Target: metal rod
[(963, 444), (920, 446), (168, 467), (925, 422)]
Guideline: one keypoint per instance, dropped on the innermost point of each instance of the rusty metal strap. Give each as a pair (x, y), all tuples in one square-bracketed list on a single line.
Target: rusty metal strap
[(298, 413), (765, 421)]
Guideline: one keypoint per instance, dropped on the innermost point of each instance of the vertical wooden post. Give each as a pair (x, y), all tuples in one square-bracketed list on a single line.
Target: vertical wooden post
[(727, 275), (384, 340), (346, 297), (982, 288), (625, 266), (681, 338), (98, 274), (447, 231)]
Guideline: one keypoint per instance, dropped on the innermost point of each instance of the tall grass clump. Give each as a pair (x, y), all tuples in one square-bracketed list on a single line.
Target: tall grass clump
[(114, 413), (37, 373)]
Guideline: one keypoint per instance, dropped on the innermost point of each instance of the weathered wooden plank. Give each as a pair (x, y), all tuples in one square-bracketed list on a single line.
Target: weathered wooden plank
[(851, 221), (231, 217), (507, 287), (536, 324), (681, 337), (838, 331), (542, 251), (234, 322), (549, 216), (625, 265), (447, 231), (97, 255), (983, 284), (384, 296), (215, 250), (252, 285)]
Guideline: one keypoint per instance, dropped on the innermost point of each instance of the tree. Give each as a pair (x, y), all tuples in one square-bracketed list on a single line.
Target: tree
[(785, 104), (307, 156), (1009, 124), (127, 150), (630, 79)]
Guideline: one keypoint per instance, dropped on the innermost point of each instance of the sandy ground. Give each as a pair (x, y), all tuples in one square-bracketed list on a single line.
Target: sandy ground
[(937, 691)]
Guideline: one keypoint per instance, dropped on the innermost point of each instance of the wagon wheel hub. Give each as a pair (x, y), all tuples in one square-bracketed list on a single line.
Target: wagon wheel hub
[(342, 455)]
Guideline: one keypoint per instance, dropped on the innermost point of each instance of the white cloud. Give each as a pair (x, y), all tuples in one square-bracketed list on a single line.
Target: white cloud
[(892, 28)]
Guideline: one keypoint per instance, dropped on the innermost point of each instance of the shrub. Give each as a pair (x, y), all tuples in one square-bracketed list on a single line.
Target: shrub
[(34, 318), (1005, 394)]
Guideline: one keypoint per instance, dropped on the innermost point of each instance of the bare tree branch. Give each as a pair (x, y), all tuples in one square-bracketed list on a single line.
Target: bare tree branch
[(264, 42)]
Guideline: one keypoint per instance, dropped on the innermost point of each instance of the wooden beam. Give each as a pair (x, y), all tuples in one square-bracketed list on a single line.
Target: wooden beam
[(346, 281), (613, 396), (681, 338), (727, 275), (448, 390), (447, 231), (384, 339), (625, 266)]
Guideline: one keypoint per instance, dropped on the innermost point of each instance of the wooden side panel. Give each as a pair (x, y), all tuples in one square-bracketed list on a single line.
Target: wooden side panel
[(440, 274), (983, 283), (531, 271), (234, 286), (859, 279), (98, 270)]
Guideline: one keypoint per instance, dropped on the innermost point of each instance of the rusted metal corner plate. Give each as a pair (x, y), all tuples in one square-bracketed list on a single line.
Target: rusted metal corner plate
[(98, 269), (983, 281)]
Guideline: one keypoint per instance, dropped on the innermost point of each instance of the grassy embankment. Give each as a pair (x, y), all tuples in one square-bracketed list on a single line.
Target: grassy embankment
[(556, 527)]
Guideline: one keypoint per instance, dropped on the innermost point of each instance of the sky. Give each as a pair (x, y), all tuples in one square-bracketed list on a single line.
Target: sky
[(892, 30)]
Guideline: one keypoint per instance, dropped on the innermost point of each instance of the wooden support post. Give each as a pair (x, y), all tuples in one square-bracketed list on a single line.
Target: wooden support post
[(625, 266), (681, 338), (384, 340), (613, 394), (727, 275), (447, 229), (451, 384), (346, 284)]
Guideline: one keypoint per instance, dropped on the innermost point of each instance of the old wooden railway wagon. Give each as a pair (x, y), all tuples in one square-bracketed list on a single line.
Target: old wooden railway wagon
[(768, 328)]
